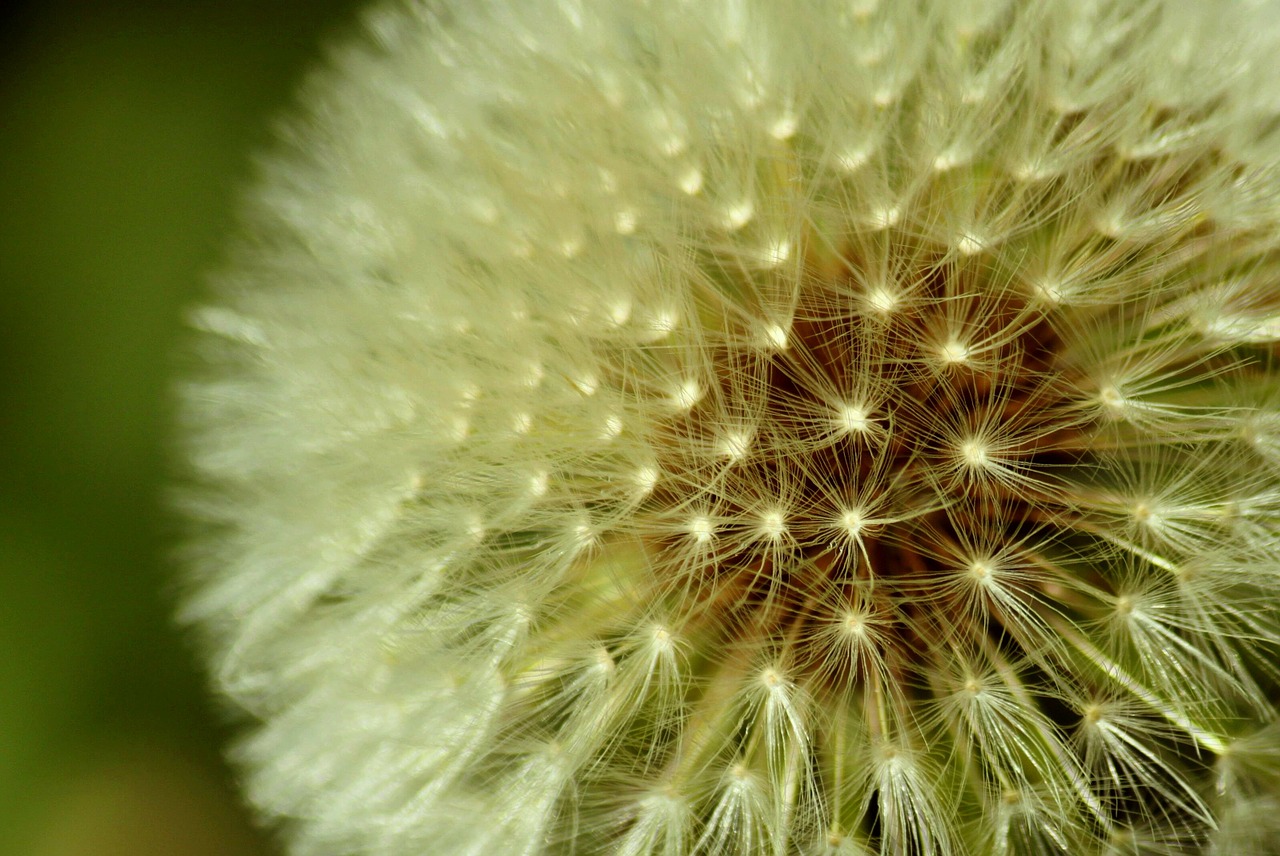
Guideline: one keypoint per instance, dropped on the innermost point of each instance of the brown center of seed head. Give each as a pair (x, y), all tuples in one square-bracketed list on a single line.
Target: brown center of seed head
[(887, 455)]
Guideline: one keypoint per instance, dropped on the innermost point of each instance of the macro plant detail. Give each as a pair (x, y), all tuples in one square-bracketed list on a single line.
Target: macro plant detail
[(735, 427)]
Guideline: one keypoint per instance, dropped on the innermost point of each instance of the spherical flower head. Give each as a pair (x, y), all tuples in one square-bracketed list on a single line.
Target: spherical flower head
[(717, 427)]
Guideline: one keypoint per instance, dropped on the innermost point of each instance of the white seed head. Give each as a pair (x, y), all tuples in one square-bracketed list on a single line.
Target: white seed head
[(625, 221), (968, 243), (668, 428), (853, 158)]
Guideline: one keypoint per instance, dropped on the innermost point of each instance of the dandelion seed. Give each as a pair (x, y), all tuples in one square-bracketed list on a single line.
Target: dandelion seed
[(701, 529), (954, 351), (738, 214), (852, 521), (883, 299), (735, 445), (974, 454), (625, 221), (613, 426), (853, 159), (948, 160), (773, 524), (852, 419), (646, 479), (776, 337), (968, 243), (691, 181), (663, 323), (785, 127), (883, 217), (776, 252), (620, 312), (687, 394)]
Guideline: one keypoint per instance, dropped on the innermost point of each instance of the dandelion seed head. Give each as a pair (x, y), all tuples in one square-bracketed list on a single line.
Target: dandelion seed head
[(776, 252), (678, 428), (735, 445), (968, 243)]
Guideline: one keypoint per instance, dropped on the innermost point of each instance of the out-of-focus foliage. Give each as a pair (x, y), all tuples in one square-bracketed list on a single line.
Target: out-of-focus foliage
[(125, 132)]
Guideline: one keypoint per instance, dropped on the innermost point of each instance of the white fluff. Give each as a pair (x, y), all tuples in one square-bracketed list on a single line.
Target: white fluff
[(735, 426)]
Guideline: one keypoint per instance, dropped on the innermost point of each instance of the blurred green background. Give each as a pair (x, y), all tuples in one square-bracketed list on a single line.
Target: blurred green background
[(126, 131)]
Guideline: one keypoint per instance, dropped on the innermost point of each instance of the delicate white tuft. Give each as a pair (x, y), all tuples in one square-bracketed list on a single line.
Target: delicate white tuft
[(741, 427)]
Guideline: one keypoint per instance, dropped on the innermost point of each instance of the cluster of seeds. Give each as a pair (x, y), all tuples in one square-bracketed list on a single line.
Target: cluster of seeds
[(722, 429)]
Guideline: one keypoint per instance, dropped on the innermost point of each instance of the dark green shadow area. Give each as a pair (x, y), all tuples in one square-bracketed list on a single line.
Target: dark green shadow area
[(126, 130)]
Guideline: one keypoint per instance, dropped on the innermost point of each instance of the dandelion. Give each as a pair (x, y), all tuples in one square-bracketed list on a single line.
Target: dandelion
[(738, 427)]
